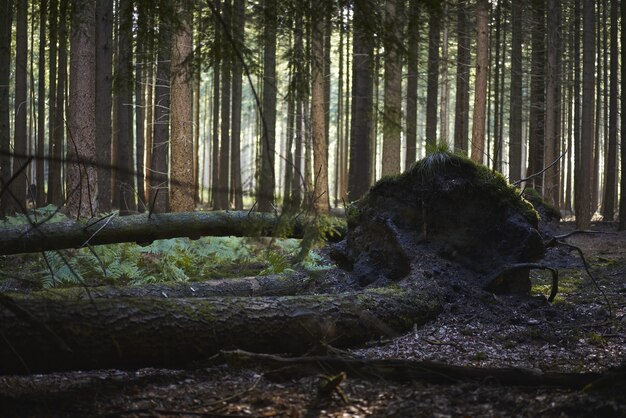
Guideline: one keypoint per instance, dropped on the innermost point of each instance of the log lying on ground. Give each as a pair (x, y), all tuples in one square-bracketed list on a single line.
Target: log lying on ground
[(404, 370), (136, 332), (143, 229), (272, 285)]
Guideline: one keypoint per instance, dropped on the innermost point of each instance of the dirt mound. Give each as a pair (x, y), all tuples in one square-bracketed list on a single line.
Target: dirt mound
[(447, 211)]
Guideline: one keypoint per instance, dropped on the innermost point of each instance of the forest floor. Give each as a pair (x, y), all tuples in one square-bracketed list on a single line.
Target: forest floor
[(576, 333)]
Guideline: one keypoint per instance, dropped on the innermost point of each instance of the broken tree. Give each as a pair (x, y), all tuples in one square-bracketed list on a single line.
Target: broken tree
[(446, 222)]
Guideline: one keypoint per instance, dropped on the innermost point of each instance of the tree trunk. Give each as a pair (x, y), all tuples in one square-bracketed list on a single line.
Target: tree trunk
[(443, 139), (551, 191), (6, 19), (318, 116), (104, 89), (40, 198), (392, 119), (411, 83), (140, 103), (139, 332), (181, 114), (361, 119), (82, 176), (159, 165), (482, 70), (434, 29), (536, 124), (585, 155), (222, 192), (17, 200), (265, 194), (461, 116), (239, 22), (608, 207), (622, 200), (497, 138), (55, 175), (124, 178), (145, 229), (515, 113)]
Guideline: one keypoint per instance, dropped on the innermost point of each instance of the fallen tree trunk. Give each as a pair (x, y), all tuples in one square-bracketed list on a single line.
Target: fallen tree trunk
[(273, 285), (136, 332), (144, 229), (404, 370)]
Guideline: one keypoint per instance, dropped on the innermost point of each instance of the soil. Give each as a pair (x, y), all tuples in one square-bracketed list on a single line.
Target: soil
[(579, 332)]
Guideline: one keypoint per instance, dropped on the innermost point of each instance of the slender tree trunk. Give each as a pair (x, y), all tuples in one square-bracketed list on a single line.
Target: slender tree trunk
[(622, 202), (585, 156), (318, 112), (265, 195), (140, 59), (597, 152), (40, 197), (497, 139), (608, 208), (55, 178), (159, 165), (149, 87), (339, 155), (553, 105), (20, 139), (461, 116), (411, 85), (434, 29), (181, 114), (124, 184), (82, 176), (347, 126), (104, 89), (363, 48), (239, 22), (515, 113), (392, 121), (482, 70), (537, 95), (222, 192), (445, 89), (6, 20)]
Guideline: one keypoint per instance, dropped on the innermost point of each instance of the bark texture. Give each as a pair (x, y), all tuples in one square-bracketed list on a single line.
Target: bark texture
[(182, 180), (139, 332), (143, 229), (482, 73)]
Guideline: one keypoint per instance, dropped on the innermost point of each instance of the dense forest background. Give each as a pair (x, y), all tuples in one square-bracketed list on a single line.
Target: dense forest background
[(174, 105)]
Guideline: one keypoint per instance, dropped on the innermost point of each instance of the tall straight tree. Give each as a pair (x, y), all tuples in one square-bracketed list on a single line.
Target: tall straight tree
[(239, 23), (361, 119), (622, 201), (610, 179), (55, 179), (515, 112), (222, 192), (536, 123), (411, 83), (585, 153), (41, 106), (434, 37), (104, 86), (461, 115), (53, 23), (6, 20), (124, 179), (482, 69), (553, 105), (318, 115), (140, 54), (18, 186), (159, 164), (265, 193), (182, 177), (215, 128), (392, 121), (82, 176)]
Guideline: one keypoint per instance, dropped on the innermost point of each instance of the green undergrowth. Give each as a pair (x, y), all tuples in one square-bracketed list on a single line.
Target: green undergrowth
[(171, 260), (570, 281)]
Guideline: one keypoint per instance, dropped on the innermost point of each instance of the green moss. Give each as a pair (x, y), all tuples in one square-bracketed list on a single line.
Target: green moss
[(596, 339)]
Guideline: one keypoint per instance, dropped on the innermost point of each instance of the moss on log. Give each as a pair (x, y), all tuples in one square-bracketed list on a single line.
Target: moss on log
[(136, 332), (144, 229)]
